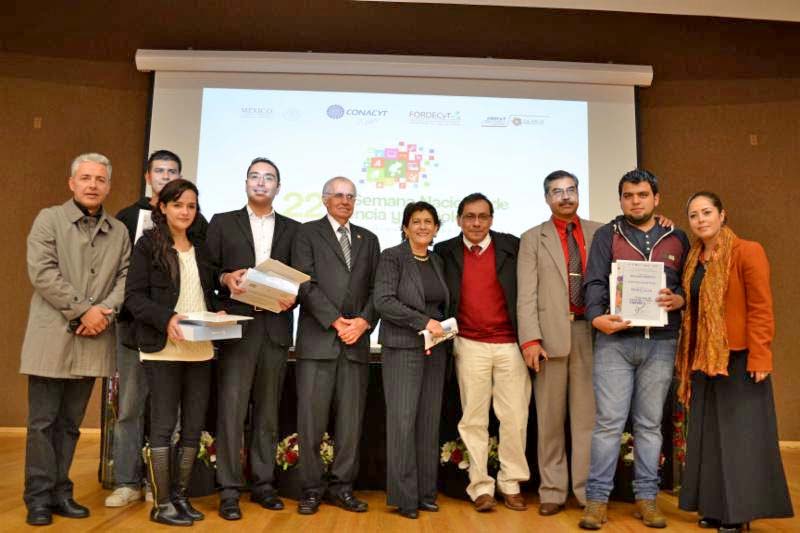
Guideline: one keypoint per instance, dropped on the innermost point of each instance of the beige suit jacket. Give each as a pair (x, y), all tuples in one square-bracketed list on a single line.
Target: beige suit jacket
[(542, 287), (71, 270)]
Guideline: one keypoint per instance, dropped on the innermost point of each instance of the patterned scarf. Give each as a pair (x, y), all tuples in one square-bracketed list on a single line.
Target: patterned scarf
[(711, 351)]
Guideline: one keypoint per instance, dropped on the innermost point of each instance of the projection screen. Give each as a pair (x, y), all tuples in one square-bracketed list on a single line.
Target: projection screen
[(401, 128)]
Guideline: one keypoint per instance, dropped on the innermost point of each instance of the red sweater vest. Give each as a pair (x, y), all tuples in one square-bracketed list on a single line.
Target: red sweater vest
[(482, 314)]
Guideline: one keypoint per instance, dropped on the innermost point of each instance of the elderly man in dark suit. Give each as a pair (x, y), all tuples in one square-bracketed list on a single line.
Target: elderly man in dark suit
[(336, 315), (253, 366)]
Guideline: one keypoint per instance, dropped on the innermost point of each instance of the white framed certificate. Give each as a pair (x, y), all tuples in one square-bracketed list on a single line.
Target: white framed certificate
[(633, 289)]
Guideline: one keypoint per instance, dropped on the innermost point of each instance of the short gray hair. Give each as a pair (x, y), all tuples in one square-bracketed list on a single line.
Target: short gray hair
[(326, 189), (93, 157)]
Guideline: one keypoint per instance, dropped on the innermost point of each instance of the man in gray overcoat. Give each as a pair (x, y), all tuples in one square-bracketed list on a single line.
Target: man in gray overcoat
[(77, 263)]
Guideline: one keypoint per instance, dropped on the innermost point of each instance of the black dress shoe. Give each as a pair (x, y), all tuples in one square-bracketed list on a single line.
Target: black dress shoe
[(428, 506), (408, 513), (309, 503), (348, 502), (709, 523), (69, 508), (734, 528), (267, 501), (39, 516), (229, 509)]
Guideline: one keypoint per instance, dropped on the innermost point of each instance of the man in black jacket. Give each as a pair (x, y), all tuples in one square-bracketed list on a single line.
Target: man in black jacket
[(481, 272), (253, 366), (163, 166)]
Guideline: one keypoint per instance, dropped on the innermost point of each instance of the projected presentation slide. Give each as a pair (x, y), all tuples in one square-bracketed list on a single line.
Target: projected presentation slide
[(396, 148)]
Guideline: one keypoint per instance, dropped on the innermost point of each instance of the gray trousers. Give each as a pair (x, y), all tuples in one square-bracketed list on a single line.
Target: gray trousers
[(253, 367), (413, 385), (321, 383), (56, 408)]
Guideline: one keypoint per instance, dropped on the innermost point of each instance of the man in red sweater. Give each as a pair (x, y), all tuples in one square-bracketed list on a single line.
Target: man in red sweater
[(481, 274)]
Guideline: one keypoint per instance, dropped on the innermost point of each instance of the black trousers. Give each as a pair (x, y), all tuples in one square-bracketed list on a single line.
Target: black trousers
[(251, 368), (177, 386), (56, 408), (413, 385), (322, 383)]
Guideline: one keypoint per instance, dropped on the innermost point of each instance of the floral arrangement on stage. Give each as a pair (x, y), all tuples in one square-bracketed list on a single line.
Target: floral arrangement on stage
[(679, 426), (288, 451), (626, 455), (208, 450), (626, 448), (455, 452)]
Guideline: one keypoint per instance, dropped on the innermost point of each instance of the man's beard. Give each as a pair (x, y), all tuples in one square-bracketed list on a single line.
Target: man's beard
[(638, 221)]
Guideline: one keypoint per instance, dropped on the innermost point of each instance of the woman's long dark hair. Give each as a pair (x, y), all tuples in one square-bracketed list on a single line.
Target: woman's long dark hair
[(164, 255)]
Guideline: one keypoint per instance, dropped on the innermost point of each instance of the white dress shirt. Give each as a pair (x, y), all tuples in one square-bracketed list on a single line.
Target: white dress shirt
[(335, 225), (484, 244), (263, 228)]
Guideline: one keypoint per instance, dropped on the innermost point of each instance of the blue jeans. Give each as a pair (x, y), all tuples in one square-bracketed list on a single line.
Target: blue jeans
[(630, 373), (129, 429)]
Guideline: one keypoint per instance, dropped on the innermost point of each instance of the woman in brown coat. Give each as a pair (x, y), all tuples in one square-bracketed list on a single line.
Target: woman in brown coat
[(733, 472)]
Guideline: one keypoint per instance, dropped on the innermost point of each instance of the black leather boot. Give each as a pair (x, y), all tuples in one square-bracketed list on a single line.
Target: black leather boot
[(180, 498), (163, 512)]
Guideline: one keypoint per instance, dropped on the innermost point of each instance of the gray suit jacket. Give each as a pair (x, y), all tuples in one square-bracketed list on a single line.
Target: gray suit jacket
[(400, 297), (72, 270), (333, 290), (543, 289)]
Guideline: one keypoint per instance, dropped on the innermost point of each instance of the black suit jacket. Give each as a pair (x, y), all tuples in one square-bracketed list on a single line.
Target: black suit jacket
[(333, 290), (229, 241), (151, 295), (506, 247), (400, 297)]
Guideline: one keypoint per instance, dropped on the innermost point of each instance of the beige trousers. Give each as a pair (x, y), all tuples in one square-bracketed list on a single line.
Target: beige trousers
[(493, 375), (565, 383)]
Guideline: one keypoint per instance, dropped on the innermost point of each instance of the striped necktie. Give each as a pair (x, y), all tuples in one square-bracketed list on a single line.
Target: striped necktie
[(575, 268), (345, 244)]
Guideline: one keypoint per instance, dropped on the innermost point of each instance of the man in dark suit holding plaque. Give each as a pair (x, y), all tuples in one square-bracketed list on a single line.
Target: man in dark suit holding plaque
[(336, 315), (253, 366)]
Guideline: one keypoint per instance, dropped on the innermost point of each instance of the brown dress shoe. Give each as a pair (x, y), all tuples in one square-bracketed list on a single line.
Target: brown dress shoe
[(549, 509), (484, 502), (515, 502)]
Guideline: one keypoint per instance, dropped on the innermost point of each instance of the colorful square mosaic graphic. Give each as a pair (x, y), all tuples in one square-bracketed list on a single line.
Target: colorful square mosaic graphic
[(403, 166)]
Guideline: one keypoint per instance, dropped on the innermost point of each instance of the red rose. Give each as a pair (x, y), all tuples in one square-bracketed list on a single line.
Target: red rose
[(680, 416), (456, 456), (291, 457)]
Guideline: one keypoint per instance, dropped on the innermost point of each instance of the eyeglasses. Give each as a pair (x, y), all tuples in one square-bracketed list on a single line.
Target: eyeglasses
[(472, 217), (268, 178), (341, 196), (564, 193)]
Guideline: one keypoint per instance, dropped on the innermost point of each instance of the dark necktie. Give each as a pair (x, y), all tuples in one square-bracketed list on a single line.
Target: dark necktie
[(575, 268), (475, 249), (345, 244)]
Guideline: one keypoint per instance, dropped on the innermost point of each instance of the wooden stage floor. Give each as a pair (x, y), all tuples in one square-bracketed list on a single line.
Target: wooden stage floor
[(455, 516)]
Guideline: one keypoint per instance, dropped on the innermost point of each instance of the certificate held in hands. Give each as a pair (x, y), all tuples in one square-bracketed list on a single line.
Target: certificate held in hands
[(269, 282), (634, 287)]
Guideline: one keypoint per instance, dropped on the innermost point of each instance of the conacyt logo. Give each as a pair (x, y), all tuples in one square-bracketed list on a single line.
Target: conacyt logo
[(336, 112), (404, 165)]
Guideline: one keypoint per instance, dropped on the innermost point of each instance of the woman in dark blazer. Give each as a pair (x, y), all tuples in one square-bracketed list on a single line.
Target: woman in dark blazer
[(170, 275), (411, 295), (733, 472)]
